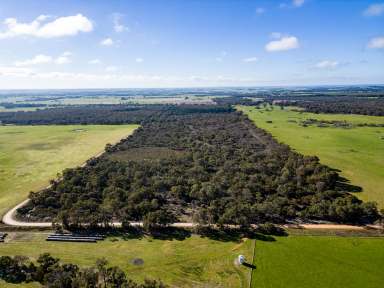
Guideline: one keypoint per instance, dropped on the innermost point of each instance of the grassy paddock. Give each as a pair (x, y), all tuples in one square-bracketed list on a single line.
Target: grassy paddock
[(358, 152), (193, 262), (316, 262), (293, 261), (32, 155)]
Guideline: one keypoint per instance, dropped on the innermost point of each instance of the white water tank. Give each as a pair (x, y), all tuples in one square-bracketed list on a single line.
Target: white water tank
[(241, 259)]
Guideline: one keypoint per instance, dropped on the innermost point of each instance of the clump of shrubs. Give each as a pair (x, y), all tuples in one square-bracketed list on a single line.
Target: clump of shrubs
[(270, 229), (49, 272)]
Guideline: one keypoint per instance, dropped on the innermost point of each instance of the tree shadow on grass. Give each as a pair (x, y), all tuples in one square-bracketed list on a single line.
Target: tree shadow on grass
[(232, 235), (343, 184), (161, 233), (171, 233)]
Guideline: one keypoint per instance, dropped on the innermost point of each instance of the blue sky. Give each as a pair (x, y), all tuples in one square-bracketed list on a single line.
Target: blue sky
[(190, 43)]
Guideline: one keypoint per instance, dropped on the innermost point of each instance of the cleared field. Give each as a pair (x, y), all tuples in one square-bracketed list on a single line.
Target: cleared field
[(358, 152), (90, 100), (32, 155), (193, 262), (314, 262)]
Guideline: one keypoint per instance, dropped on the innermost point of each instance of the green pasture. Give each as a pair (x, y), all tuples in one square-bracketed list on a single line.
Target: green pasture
[(358, 152), (319, 262), (32, 155), (293, 261), (192, 262)]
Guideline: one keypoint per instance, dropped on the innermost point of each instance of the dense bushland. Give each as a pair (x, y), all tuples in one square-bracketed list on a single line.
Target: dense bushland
[(84, 114), (229, 172), (49, 272), (342, 105)]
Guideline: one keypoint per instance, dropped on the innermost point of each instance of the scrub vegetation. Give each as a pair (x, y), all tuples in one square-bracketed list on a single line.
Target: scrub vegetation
[(356, 150), (229, 172)]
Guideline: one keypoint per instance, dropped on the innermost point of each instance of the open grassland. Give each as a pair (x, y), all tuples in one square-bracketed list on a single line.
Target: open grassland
[(319, 261), (193, 262), (358, 152), (32, 155)]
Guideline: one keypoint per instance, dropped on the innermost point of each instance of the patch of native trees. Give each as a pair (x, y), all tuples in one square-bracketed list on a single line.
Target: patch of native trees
[(229, 172), (49, 272), (83, 114), (10, 105), (238, 100), (339, 105)]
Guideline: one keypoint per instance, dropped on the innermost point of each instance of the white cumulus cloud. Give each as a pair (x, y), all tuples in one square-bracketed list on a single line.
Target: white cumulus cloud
[(327, 64), (376, 43), (40, 59), (250, 59), (64, 58), (111, 69), (59, 27), (374, 10), (107, 42), (117, 25), (282, 44), (94, 61), (298, 3)]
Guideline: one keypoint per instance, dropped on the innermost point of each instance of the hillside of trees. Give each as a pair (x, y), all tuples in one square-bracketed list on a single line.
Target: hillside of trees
[(213, 166), (49, 272)]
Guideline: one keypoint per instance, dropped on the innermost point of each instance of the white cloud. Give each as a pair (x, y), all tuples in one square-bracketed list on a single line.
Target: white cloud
[(298, 3), (376, 43), (327, 64), (38, 59), (374, 10), (62, 60), (94, 61), (66, 54), (139, 60), (107, 42), (60, 27), (111, 69), (117, 26), (276, 35), (260, 10), (283, 44), (221, 56), (250, 59), (27, 78), (16, 71)]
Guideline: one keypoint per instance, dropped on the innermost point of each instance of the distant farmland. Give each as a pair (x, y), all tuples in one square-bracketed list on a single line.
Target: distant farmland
[(357, 151), (32, 155)]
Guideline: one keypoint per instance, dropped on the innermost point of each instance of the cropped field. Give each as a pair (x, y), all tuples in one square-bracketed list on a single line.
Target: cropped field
[(358, 152), (317, 262), (193, 262), (32, 155)]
